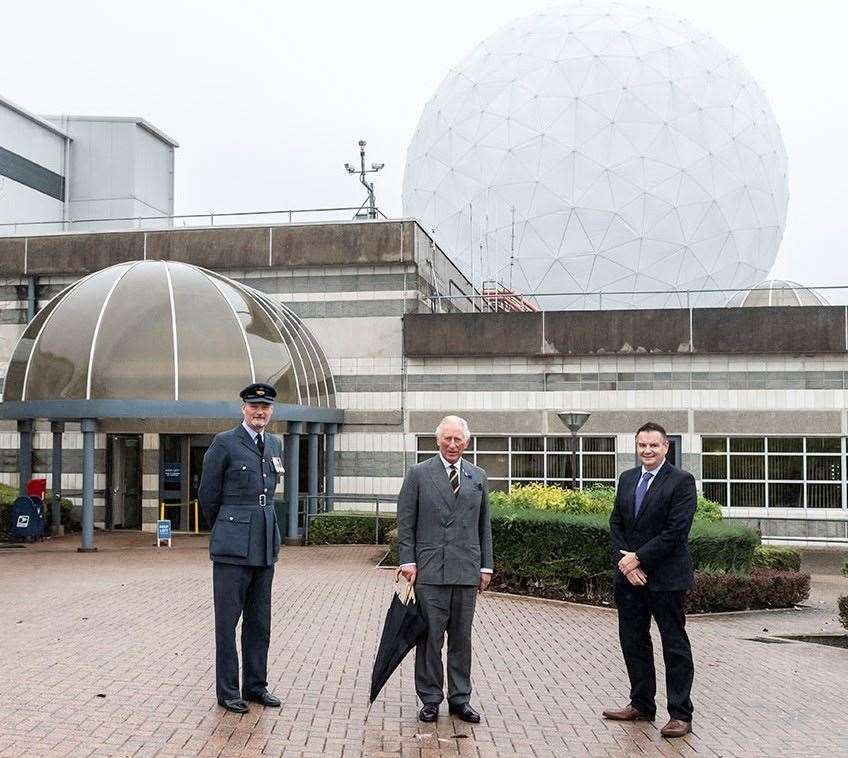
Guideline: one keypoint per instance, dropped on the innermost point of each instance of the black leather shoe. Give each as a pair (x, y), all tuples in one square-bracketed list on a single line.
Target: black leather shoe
[(236, 705), (465, 712), (429, 712), (266, 699)]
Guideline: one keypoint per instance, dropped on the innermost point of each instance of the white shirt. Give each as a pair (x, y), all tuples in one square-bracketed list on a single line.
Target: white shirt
[(447, 465), (252, 432)]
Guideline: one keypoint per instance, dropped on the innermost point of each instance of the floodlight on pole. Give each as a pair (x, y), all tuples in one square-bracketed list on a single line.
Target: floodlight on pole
[(371, 200), (574, 421)]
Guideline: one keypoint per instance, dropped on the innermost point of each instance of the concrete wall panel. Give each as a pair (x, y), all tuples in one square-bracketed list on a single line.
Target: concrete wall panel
[(82, 253), (768, 422), (218, 249), (460, 334), (342, 244)]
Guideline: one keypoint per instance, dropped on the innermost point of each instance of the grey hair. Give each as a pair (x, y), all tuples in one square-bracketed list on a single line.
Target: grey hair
[(457, 421)]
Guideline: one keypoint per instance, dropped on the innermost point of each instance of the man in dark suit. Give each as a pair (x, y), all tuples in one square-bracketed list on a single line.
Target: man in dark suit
[(649, 526), (240, 472), (445, 548)]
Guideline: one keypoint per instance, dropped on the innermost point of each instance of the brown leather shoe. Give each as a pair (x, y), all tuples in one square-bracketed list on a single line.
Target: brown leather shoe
[(676, 728), (628, 713)]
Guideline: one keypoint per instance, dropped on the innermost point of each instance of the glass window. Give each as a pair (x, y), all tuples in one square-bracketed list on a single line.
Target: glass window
[(528, 467), (528, 444), (598, 467), (785, 467), (599, 444), (492, 443), (747, 467), (428, 444), (559, 466), (824, 495), (747, 495), (714, 444), (559, 444), (747, 444), (824, 445), (495, 464), (716, 491), (714, 466), (786, 495), (786, 444), (824, 468)]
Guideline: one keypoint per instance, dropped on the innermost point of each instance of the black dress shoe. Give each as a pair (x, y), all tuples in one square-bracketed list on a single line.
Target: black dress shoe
[(429, 712), (465, 712), (266, 699), (236, 705)]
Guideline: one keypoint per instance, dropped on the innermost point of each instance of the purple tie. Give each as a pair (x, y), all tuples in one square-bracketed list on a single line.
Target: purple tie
[(641, 489)]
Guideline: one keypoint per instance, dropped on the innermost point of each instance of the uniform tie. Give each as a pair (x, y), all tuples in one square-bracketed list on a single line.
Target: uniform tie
[(453, 478), (641, 489), (260, 444)]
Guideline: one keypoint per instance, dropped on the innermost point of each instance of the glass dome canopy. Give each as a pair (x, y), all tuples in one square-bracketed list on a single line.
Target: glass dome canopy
[(776, 292), (165, 332)]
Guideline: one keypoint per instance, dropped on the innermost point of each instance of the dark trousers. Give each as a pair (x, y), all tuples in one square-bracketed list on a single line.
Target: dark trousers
[(449, 608), (636, 606), (241, 591)]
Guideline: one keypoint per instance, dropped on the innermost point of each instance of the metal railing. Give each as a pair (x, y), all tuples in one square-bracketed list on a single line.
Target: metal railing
[(193, 509), (188, 220), (494, 299), (310, 506)]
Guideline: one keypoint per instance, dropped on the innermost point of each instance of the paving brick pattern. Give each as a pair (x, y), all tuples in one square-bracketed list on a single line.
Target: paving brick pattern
[(112, 655)]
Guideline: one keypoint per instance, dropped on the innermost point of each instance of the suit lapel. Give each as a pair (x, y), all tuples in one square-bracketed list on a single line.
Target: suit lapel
[(650, 495), (246, 440)]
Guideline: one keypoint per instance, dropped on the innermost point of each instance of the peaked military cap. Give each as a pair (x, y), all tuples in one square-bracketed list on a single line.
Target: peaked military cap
[(258, 393)]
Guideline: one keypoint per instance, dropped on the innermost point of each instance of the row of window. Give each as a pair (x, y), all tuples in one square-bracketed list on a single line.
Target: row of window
[(738, 472), (520, 460)]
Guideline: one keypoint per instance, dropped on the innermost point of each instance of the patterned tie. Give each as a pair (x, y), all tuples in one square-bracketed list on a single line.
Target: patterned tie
[(453, 478), (260, 444), (641, 489)]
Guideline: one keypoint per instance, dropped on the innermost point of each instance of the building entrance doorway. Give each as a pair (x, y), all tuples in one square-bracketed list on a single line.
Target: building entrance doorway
[(123, 481), (180, 467)]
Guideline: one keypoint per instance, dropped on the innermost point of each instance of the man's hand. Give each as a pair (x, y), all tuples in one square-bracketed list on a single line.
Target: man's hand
[(628, 562), (485, 581), (409, 573), (637, 577)]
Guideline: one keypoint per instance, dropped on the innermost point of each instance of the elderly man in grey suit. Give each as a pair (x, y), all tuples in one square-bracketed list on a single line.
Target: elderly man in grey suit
[(445, 548)]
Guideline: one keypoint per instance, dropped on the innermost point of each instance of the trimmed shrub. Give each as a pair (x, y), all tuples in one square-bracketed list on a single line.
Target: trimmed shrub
[(721, 546), (845, 568), (777, 557), (707, 510), (348, 528), (843, 610), (737, 592)]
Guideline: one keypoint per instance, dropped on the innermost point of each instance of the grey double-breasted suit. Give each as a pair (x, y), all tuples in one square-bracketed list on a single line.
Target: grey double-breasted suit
[(449, 538), (237, 496)]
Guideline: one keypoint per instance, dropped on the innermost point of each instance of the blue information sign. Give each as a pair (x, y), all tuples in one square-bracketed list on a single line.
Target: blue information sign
[(163, 532), (173, 472)]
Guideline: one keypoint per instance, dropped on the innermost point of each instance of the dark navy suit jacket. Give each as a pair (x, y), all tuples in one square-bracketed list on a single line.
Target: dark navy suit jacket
[(243, 531), (659, 535)]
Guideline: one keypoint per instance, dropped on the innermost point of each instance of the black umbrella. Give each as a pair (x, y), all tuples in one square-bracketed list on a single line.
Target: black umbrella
[(405, 625)]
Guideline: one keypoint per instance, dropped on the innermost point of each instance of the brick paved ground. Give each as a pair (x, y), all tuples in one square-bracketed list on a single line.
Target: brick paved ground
[(111, 655)]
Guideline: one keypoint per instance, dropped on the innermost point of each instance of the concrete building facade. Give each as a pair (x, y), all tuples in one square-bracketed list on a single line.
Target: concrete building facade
[(754, 398)]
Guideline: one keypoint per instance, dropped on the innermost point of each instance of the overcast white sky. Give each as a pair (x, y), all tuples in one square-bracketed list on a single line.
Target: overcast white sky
[(268, 99)]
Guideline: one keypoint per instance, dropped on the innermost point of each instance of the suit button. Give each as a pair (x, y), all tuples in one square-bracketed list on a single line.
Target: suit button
[(265, 490), (244, 468), (264, 476), (231, 518)]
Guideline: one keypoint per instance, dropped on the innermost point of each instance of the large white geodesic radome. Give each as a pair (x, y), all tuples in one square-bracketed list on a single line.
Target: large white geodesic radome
[(601, 148)]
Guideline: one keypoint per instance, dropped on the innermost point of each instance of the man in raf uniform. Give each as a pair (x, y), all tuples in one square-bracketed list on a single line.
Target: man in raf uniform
[(240, 472)]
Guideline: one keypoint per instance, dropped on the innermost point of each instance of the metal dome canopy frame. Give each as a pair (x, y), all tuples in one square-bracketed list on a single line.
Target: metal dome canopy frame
[(168, 340), (776, 292)]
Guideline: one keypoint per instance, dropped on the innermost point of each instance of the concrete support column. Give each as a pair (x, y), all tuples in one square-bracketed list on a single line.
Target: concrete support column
[(30, 298), (312, 462), (24, 454), (57, 530), (292, 443), (330, 431), (87, 425)]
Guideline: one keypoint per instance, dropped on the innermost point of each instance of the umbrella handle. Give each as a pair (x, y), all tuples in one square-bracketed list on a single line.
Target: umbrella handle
[(409, 594)]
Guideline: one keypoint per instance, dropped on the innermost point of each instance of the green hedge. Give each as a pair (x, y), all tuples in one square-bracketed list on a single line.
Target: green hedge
[(9, 494), (594, 500), (348, 528), (763, 588), (777, 558), (845, 568), (843, 610)]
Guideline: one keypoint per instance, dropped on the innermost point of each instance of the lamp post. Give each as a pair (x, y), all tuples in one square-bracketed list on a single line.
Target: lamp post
[(574, 420)]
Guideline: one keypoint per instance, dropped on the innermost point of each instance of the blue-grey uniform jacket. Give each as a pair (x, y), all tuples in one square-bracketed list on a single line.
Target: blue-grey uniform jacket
[(448, 537), (235, 476)]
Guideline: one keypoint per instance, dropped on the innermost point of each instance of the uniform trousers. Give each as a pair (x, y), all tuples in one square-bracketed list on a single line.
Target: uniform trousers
[(241, 592)]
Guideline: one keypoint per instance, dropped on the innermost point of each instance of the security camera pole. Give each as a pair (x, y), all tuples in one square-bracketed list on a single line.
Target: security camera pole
[(369, 186)]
